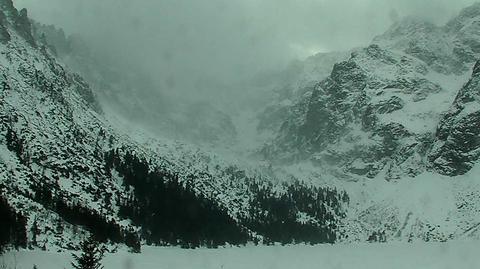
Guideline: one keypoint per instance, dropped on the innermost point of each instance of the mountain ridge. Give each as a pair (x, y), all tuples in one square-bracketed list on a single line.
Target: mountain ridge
[(383, 122), (403, 70)]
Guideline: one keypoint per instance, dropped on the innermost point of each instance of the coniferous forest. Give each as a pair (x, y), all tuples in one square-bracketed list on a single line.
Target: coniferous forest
[(300, 214), (77, 214), (171, 213), (12, 226)]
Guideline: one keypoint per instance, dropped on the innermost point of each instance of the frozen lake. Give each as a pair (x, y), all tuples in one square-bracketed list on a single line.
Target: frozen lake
[(451, 255)]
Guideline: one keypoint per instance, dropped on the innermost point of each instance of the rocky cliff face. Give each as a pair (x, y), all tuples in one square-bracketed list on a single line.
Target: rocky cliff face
[(299, 80), (397, 124), (18, 19), (362, 116), (457, 144), (379, 110)]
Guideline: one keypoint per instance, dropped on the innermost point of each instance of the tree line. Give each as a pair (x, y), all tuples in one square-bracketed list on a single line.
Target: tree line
[(75, 213), (297, 213), (12, 226), (170, 212)]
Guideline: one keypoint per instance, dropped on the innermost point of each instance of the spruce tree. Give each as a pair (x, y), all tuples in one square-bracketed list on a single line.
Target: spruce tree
[(91, 255), (34, 231)]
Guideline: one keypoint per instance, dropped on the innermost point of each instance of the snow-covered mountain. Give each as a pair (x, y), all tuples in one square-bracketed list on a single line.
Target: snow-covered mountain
[(365, 144), (380, 109), (123, 89), (68, 169), (396, 124), (296, 81)]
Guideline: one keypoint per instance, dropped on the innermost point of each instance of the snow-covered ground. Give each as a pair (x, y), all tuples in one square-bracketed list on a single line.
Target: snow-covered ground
[(451, 255)]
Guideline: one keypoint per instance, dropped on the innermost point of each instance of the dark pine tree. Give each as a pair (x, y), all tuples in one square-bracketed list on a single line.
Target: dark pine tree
[(91, 255), (12, 226), (34, 230)]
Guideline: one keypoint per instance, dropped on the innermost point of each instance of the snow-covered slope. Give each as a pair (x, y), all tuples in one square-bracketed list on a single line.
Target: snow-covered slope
[(428, 207), (390, 125), (459, 255), (122, 89), (379, 110), (69, 169)]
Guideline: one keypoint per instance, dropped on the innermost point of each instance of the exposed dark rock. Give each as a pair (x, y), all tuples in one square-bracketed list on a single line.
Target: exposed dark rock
[(7, 7), (390, 105), (458, 22), (458, 135), (327, 126), (24, 27), (4, 35)]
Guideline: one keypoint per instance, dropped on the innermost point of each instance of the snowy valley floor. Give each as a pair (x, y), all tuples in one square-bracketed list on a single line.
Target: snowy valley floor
[(451, 255)]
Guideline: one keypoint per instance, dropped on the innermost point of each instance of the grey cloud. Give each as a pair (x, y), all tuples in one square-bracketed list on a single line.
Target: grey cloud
[(187, 42)]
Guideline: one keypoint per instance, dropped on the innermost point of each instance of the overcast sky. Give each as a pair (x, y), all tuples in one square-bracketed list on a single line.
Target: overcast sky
[(228, 40)]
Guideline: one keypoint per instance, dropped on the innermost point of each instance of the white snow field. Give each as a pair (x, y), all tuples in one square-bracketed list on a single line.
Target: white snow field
[(449, 255)]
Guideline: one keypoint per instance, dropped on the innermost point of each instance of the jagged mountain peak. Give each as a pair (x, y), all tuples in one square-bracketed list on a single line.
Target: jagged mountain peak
[(393, 92), (410, 25), (466, 16), (452, 48), (375, 93), (406, 28), (19, 21), (402, 109), (471, 11)]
